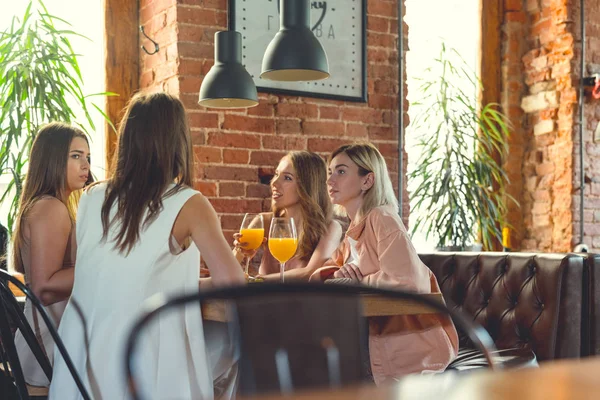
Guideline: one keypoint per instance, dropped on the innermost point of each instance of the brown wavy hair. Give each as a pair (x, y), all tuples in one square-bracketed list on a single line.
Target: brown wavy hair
[(315, 205), (46, 176), (154, 151)]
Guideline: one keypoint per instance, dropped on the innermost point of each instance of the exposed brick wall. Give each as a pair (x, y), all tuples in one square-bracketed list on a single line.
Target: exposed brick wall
[(549, 101), (236, 148), (591, 134)]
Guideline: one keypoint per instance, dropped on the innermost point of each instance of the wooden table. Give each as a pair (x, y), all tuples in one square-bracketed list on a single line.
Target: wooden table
[(557, 380), (372, 305)]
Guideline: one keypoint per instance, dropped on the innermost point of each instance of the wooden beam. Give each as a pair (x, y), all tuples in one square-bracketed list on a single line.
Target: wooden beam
[(121, 62), (490, 61), (490, 54)]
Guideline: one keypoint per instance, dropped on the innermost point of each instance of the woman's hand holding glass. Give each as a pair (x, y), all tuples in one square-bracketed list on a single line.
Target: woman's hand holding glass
[(251, 236), (283, 241)]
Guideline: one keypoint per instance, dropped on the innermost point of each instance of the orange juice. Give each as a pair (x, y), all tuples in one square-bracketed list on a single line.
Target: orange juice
[(254, 238), (283, 248)]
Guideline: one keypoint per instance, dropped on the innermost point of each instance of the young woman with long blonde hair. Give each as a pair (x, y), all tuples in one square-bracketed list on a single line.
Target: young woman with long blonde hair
[(43, 242), (377, 251)]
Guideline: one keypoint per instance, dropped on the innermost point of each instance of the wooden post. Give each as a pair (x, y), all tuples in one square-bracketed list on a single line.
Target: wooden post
[(490, 60), (121, 63)]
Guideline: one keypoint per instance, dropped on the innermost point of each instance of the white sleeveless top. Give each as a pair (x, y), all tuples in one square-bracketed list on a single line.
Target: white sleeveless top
[(107, 295)]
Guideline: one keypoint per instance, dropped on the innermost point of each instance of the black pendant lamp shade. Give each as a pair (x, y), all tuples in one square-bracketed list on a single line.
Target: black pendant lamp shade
[(295, 54), (228, 84)]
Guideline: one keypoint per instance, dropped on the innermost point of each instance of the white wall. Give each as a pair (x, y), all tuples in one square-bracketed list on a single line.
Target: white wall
[(431, 22)]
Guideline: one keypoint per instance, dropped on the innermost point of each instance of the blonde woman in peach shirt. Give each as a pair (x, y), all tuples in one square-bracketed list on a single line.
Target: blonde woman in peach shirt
[(377, 251)]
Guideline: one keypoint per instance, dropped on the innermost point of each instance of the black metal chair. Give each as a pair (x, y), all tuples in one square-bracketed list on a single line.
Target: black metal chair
[(292, 356), (11, 311)]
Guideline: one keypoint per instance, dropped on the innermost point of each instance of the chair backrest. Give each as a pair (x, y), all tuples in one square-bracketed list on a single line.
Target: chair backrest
[(322, 335), (319, 338), (3, 246), (10, 310), (524, 300), (590, 329), (11, 316)]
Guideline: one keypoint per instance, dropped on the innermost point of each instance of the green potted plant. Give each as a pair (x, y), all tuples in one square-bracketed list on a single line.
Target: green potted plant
[(458, 184), (40, 81)]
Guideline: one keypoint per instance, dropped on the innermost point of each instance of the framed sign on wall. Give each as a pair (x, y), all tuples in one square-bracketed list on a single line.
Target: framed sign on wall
[(339, 25)]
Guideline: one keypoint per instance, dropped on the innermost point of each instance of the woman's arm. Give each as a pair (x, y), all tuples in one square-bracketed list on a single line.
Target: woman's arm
[(323, 252), (49, 231), (203, 225)]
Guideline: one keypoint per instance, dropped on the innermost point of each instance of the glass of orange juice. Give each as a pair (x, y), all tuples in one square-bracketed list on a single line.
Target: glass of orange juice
[(253, 233), (283, 240)]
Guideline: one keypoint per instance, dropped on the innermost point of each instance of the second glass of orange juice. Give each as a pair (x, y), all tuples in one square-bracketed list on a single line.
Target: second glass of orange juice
[(253, 233), (283, 241)]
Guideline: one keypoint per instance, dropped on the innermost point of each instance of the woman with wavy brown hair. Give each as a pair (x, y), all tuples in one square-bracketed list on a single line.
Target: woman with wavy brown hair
[(43, 242), (299, 191), (140, 234)]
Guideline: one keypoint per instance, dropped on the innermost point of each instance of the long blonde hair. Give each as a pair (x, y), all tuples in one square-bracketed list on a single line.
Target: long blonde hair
[(154, 151), (46, 176), (315, 206), (369, 159)]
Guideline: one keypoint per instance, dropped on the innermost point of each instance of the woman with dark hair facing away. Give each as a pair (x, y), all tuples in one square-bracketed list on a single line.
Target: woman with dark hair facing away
[(299, 191), (43, 242), (377, 251), (141, 234)]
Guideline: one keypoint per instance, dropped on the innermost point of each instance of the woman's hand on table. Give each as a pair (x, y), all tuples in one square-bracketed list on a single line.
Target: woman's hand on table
[(350, 271)]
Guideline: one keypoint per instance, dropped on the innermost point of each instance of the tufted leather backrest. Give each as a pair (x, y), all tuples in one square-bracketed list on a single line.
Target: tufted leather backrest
[(591, 318), (524, 300)]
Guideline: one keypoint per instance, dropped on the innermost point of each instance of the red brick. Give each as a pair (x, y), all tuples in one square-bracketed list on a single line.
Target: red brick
[(196, 50), (329, 112), (206, 154), (273, 142), (190, 67), (324, 128), (248, 124), (235, 156), (190, 33), (379, 39), (190, 84), (295, 143), (356, 130), (206, 188), (231, 189), (237, 140), (381, 133), (214, 4), (263, 109), (325, 145), (203, 119), (222, 172), (197, 16), (266, 157), (287, 126), (362, 114), (236, 205), (231, 221), (297, 110), (383, 8), (258, 190), (378, 24)]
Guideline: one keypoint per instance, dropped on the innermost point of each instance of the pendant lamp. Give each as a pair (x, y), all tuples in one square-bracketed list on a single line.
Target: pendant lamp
[(295, 54), (228, 84)]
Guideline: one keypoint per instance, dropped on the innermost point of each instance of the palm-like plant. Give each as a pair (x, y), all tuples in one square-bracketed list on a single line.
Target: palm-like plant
[(40, 81), (458, 183)]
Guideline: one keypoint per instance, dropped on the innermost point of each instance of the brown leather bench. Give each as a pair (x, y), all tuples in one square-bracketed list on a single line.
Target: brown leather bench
[(524, 300)]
